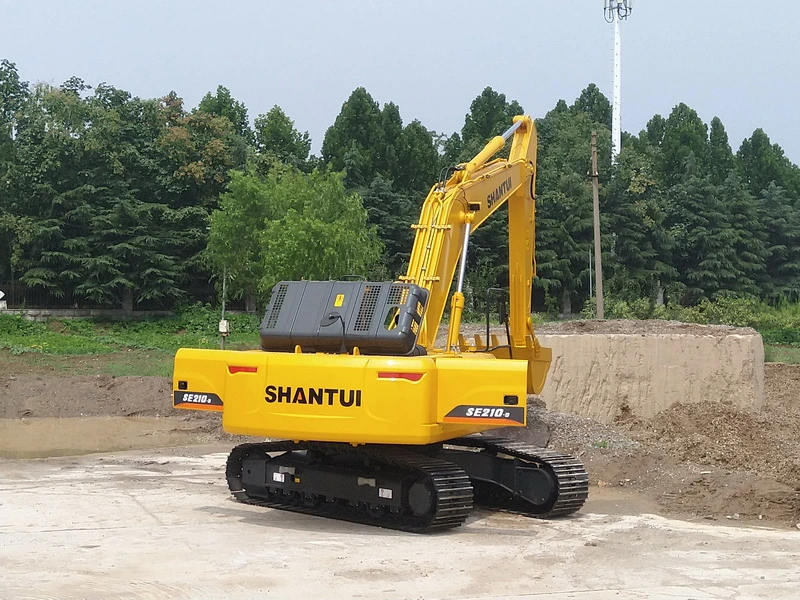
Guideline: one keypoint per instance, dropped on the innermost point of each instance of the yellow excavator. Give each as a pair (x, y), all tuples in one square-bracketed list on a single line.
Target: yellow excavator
[(371, 421)]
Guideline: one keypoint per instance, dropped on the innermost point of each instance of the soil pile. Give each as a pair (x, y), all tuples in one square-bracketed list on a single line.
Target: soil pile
[(708, 460), (651, 326), (613, 326), (721, 436)]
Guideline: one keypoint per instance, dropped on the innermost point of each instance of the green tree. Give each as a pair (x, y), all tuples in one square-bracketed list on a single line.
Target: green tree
[(45, 187), (351, 143), (197, 151), (417, 162), (223, 104), (594, 104), (97, 212), (761, 162), (720, 153), (390, 165), (654, 131), (13, 91), (782, 224), (234, 243), (13, 94), (685, 135), (389, 146), (392, 213), (289, 226), (748, 236), (489, 115), (563, 239), (275, 135), (367, 141), (137, 244), (711, 253), (639, 265), (564, 209)]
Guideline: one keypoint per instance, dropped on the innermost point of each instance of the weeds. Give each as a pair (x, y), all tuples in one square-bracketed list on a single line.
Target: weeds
[(777, 325), (783, 354), (195, 327)]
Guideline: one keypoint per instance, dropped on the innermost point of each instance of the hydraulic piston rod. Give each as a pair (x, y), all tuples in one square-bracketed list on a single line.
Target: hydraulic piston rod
[(457, 304)]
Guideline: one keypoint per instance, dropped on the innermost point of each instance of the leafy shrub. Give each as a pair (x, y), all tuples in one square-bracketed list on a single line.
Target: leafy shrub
[(16, 325), (779, 325), (79, 326), (738, 312)]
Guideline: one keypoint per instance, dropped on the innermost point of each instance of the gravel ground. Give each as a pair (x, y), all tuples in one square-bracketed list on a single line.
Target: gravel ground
[(572, 433)]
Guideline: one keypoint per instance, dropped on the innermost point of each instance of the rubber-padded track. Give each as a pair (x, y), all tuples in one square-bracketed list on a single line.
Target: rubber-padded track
[(572, 480), (452, 490)]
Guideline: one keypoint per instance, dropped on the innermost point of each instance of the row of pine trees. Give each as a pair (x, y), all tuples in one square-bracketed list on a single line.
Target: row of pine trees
[(108, 198)]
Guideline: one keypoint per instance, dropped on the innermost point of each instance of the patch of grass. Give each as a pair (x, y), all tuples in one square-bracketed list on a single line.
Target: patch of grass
[(784, 354), (48, 342), (117, 364), (196, 327), (143, 364)]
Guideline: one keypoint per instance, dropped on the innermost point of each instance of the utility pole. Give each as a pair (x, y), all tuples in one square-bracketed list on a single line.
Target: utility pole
[(598, 266), (224, 326)]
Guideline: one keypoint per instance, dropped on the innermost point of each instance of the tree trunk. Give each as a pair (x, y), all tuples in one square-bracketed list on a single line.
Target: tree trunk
[(250, 302), (127, 302), (659, 293), (566, 303)]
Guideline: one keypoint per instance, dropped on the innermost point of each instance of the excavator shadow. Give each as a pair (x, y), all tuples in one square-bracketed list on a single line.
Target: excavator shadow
[(291, 521), (482, 521)]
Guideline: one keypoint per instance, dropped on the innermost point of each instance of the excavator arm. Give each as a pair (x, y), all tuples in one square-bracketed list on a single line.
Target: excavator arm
[(452, 211)]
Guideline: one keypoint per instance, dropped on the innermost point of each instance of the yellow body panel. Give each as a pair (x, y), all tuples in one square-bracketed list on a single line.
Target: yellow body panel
[(354, 398)]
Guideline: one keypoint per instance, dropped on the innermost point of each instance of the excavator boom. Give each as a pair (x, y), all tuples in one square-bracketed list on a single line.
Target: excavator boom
[(457, 207), (474, 192)]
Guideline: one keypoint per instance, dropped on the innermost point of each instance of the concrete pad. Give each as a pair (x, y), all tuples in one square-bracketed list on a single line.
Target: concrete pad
[(604, 376), (141, 525)]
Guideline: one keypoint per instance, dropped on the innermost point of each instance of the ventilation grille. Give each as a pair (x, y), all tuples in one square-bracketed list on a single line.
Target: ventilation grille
[(397, 295), (369, 302), (280, 295)]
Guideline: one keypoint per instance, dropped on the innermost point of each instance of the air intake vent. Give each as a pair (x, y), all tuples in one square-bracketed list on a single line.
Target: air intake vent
[(398, 294), (367, 308), (280, 295)]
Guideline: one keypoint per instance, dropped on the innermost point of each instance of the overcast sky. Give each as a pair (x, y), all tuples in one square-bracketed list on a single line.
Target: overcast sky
[(736, 59)]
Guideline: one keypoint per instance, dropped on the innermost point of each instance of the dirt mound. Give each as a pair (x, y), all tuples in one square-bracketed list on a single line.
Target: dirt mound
[(721, 436), (613, 326), (86, 396), (782, 388), (605, 369), (633, 327), (712, 460)]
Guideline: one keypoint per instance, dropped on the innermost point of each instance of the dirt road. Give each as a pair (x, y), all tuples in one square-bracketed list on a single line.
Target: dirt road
[(145, 525)]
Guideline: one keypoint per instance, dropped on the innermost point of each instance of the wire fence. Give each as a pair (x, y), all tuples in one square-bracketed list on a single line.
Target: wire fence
[(18, 296)]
